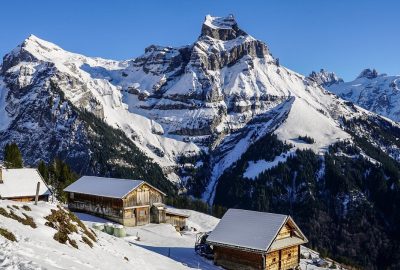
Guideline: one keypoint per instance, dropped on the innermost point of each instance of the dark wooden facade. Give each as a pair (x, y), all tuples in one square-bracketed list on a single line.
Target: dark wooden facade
[(235, 258), (132, 210), (231, 258)]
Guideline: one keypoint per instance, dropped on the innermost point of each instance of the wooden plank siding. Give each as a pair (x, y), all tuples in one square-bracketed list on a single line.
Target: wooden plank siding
[(286, 231), (142, 215), (28, 198), (289, 258), (284, 259), (272, 260), (235, 259), (132, 210), (175, 220), (144, 195)]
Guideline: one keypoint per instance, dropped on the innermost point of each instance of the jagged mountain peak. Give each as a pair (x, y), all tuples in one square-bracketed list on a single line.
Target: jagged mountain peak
[(368, 73), (222, 28), (325, 78)]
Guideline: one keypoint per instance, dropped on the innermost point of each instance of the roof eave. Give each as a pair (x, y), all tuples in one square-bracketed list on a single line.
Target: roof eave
[(260, 251), (91, 194)]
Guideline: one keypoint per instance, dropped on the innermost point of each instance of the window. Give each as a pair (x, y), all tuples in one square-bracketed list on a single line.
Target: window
[(71, 195)]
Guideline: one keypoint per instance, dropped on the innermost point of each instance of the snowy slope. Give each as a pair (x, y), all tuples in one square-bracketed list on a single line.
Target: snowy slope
[(165, 240), (376, 92), (160, 245), (88, 92), (36, 248)]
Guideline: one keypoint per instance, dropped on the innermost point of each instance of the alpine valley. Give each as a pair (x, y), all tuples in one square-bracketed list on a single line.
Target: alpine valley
[(223, 121)]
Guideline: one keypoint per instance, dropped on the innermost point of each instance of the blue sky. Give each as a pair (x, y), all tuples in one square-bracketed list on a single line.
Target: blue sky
[(338, 35)]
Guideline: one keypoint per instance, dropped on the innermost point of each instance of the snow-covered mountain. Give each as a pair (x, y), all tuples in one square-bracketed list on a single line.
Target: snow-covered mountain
[(376, 92), (325, 78), (219, 117), (213, 97)]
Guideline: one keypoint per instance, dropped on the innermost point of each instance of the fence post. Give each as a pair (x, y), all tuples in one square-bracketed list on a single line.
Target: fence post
[(37, 193)]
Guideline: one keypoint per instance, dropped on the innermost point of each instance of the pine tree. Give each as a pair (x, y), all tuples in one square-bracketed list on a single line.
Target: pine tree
[(12, 156), (43, 170)]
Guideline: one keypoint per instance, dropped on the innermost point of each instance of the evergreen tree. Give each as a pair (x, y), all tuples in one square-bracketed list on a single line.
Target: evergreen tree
[(43, 170), (12, 156)]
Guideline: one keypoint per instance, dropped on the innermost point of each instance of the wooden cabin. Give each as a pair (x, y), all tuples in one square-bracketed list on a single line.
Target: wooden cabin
[(128, 202), (21, 185), (256, 240), (176, 219)]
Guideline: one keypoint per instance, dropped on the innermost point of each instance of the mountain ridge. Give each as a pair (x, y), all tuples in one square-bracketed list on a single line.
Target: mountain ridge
[(201, 116)]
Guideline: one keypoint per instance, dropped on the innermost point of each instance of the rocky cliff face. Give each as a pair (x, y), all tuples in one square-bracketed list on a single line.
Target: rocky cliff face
[(324, 78), (208, 100)]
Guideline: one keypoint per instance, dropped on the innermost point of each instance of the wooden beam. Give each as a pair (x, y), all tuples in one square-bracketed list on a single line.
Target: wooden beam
[(37, 193)]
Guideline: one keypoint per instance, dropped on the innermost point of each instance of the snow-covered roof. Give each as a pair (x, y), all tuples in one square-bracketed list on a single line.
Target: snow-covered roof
[(105, 187), (174, 213), (21, 183), (248, 229)]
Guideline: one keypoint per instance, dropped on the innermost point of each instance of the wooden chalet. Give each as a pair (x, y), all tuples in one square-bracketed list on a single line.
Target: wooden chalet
[(176, 219), (256, 240), (21, 185), (128, 202)]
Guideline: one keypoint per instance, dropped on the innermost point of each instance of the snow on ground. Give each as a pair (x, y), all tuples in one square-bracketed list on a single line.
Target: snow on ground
[(164, 240), (256, 167), (159, 246), (36, 248)]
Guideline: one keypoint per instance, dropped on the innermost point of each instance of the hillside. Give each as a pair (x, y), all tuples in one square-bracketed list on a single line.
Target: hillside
[(224, 121), (159, 247), (35, 248)]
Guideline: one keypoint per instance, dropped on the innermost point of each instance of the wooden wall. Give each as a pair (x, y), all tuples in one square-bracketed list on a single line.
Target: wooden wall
[(108, 207), (289, 257), (284, 259), (285, 232), (175, 220), (235, 259), (142, 215), (144, 195), (29, 198), (272, 260), (157, 215), (133, 210)]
